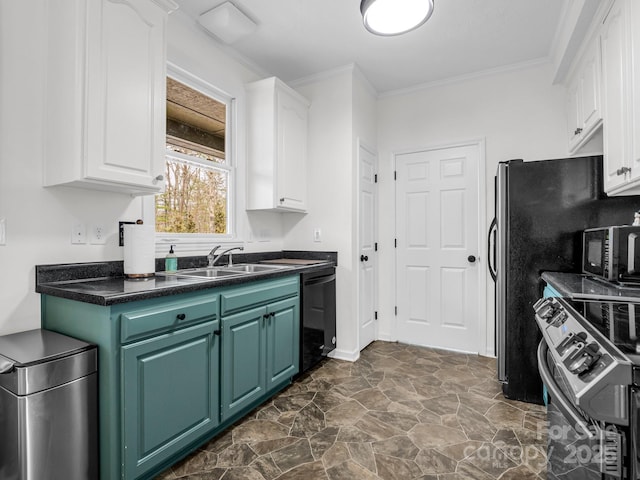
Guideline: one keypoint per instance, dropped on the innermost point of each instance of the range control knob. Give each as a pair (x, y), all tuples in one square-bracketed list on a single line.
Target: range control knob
[(583, 360), (558, 318)]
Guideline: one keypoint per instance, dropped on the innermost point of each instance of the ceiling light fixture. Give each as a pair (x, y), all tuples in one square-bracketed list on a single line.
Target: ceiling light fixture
[(394, 17)]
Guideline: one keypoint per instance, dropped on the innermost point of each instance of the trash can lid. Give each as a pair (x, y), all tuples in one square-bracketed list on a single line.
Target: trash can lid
[(36, 346)]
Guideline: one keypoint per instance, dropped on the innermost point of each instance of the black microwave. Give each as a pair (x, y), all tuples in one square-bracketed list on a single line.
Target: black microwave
[(612, 253)]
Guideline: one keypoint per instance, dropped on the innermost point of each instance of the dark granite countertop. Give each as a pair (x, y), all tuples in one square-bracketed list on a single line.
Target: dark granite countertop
[(103, 283), (583, 287)]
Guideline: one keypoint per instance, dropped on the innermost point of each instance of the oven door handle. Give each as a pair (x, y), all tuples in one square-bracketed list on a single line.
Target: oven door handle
[(563, 404)]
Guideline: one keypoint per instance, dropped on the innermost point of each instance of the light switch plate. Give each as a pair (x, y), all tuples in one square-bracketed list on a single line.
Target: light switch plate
[(317, 235), (3, 231)]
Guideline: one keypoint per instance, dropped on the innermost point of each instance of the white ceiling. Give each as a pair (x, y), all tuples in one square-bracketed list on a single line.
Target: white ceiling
[(301, 38)]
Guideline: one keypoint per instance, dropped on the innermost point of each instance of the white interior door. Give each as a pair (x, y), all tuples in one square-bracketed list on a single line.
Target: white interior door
[(437, 230), (367, 250)]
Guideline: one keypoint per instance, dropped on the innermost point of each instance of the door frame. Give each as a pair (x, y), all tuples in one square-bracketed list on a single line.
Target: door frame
[(361, 145), (483, 331)]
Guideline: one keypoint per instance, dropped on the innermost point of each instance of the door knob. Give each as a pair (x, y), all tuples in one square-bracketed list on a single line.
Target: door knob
[(363, 258), (471, 258)]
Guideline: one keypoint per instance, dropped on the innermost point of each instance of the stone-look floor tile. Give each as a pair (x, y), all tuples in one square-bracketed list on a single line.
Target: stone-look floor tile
[(372, 399), (477, 402), (432, 461), (504, 415), (295, 454), (350, 470), (376, 428), (268, 446), (242, 473), (399, 447), (259, 431), (442, 405), (322, 441), (347, 413), (351, 434), (399, 412), (460, 451), (337, 454), (236, 456), (293, 402), (362, 454), (328, 400), (308, 421), (266, 467), (430, 436), (308, 471), (392, 468), (475, 425), (401, 421)]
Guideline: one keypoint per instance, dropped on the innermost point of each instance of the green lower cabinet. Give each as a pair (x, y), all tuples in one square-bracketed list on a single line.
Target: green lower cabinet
[(243, 359), (176, 370), (260, 352), (283, 342), (170, 395)]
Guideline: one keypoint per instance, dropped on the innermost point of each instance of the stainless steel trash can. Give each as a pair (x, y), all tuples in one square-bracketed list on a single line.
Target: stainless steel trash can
[(48, 407)]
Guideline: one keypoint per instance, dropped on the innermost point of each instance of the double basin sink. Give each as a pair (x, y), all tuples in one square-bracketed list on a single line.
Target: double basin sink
[(240, 269)]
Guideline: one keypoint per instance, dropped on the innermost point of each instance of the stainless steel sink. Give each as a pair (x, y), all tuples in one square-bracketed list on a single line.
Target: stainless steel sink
[(254, 268), (209, 273)]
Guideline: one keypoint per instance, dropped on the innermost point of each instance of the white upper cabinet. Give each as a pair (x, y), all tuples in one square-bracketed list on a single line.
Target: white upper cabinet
[(105, 120), (616, 83), (277, 147), (634, 164), (583, 97)]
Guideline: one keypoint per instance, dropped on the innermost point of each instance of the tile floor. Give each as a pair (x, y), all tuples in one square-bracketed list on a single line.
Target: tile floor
[(399, 412)]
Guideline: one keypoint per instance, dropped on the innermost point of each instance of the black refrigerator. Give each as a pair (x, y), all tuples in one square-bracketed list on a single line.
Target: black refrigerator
[(542, 207)]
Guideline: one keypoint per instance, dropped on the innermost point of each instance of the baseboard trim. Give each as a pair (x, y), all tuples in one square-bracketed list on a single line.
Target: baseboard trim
[(349, 356)]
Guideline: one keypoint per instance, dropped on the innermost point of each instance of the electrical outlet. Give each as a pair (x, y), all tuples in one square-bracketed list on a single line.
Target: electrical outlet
[(97, 234), (3, 231), (78, 234)]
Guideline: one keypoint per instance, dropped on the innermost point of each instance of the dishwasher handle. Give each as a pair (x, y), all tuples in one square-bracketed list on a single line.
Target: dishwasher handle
[(320, 280)]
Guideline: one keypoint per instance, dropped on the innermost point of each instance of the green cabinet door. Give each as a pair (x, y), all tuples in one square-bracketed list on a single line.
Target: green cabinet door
[(283, 341), (243, 360), (170, 394)]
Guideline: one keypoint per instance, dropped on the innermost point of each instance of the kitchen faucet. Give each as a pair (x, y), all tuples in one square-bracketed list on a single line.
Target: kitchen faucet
[(213, 258)]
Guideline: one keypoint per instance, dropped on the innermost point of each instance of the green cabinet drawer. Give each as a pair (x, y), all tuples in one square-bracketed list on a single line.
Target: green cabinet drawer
[(163, 315), (258, 293)]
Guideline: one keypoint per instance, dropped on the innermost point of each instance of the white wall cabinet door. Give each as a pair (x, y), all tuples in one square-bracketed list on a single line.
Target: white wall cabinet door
[(277, 118), (616, 83), (291, 161), (584, 110), (106, 94)]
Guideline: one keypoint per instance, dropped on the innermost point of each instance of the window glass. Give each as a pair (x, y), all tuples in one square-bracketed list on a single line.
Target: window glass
[(198, 175)]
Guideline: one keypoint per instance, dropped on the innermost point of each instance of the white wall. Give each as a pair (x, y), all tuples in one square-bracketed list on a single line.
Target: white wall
[(330, 203), (519, 113), (38, 219)]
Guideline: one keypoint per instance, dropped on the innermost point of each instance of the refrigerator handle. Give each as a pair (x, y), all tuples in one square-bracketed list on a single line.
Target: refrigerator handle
[(491, 249)]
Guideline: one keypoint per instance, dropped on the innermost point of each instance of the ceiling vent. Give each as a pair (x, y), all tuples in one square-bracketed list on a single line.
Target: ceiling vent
[(227, 23)]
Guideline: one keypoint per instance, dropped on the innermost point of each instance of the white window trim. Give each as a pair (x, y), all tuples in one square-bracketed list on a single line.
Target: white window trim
[(202, 243)]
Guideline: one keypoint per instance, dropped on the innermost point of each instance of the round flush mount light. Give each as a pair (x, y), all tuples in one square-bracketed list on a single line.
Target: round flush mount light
[(394, 17)]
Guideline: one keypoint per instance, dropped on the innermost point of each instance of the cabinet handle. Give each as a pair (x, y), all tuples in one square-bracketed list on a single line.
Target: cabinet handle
[(217, 332), (623, 170), (181, 316), (282, 200), (159, 178), (577, 131)]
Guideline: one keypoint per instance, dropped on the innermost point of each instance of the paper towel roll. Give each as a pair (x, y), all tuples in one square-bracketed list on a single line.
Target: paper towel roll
[(139, 250)]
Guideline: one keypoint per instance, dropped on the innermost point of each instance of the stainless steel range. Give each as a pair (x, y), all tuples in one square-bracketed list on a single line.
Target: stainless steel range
[(589, 363)]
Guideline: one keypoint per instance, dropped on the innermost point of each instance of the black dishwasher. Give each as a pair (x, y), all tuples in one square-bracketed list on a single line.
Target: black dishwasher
[(318, 332)]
